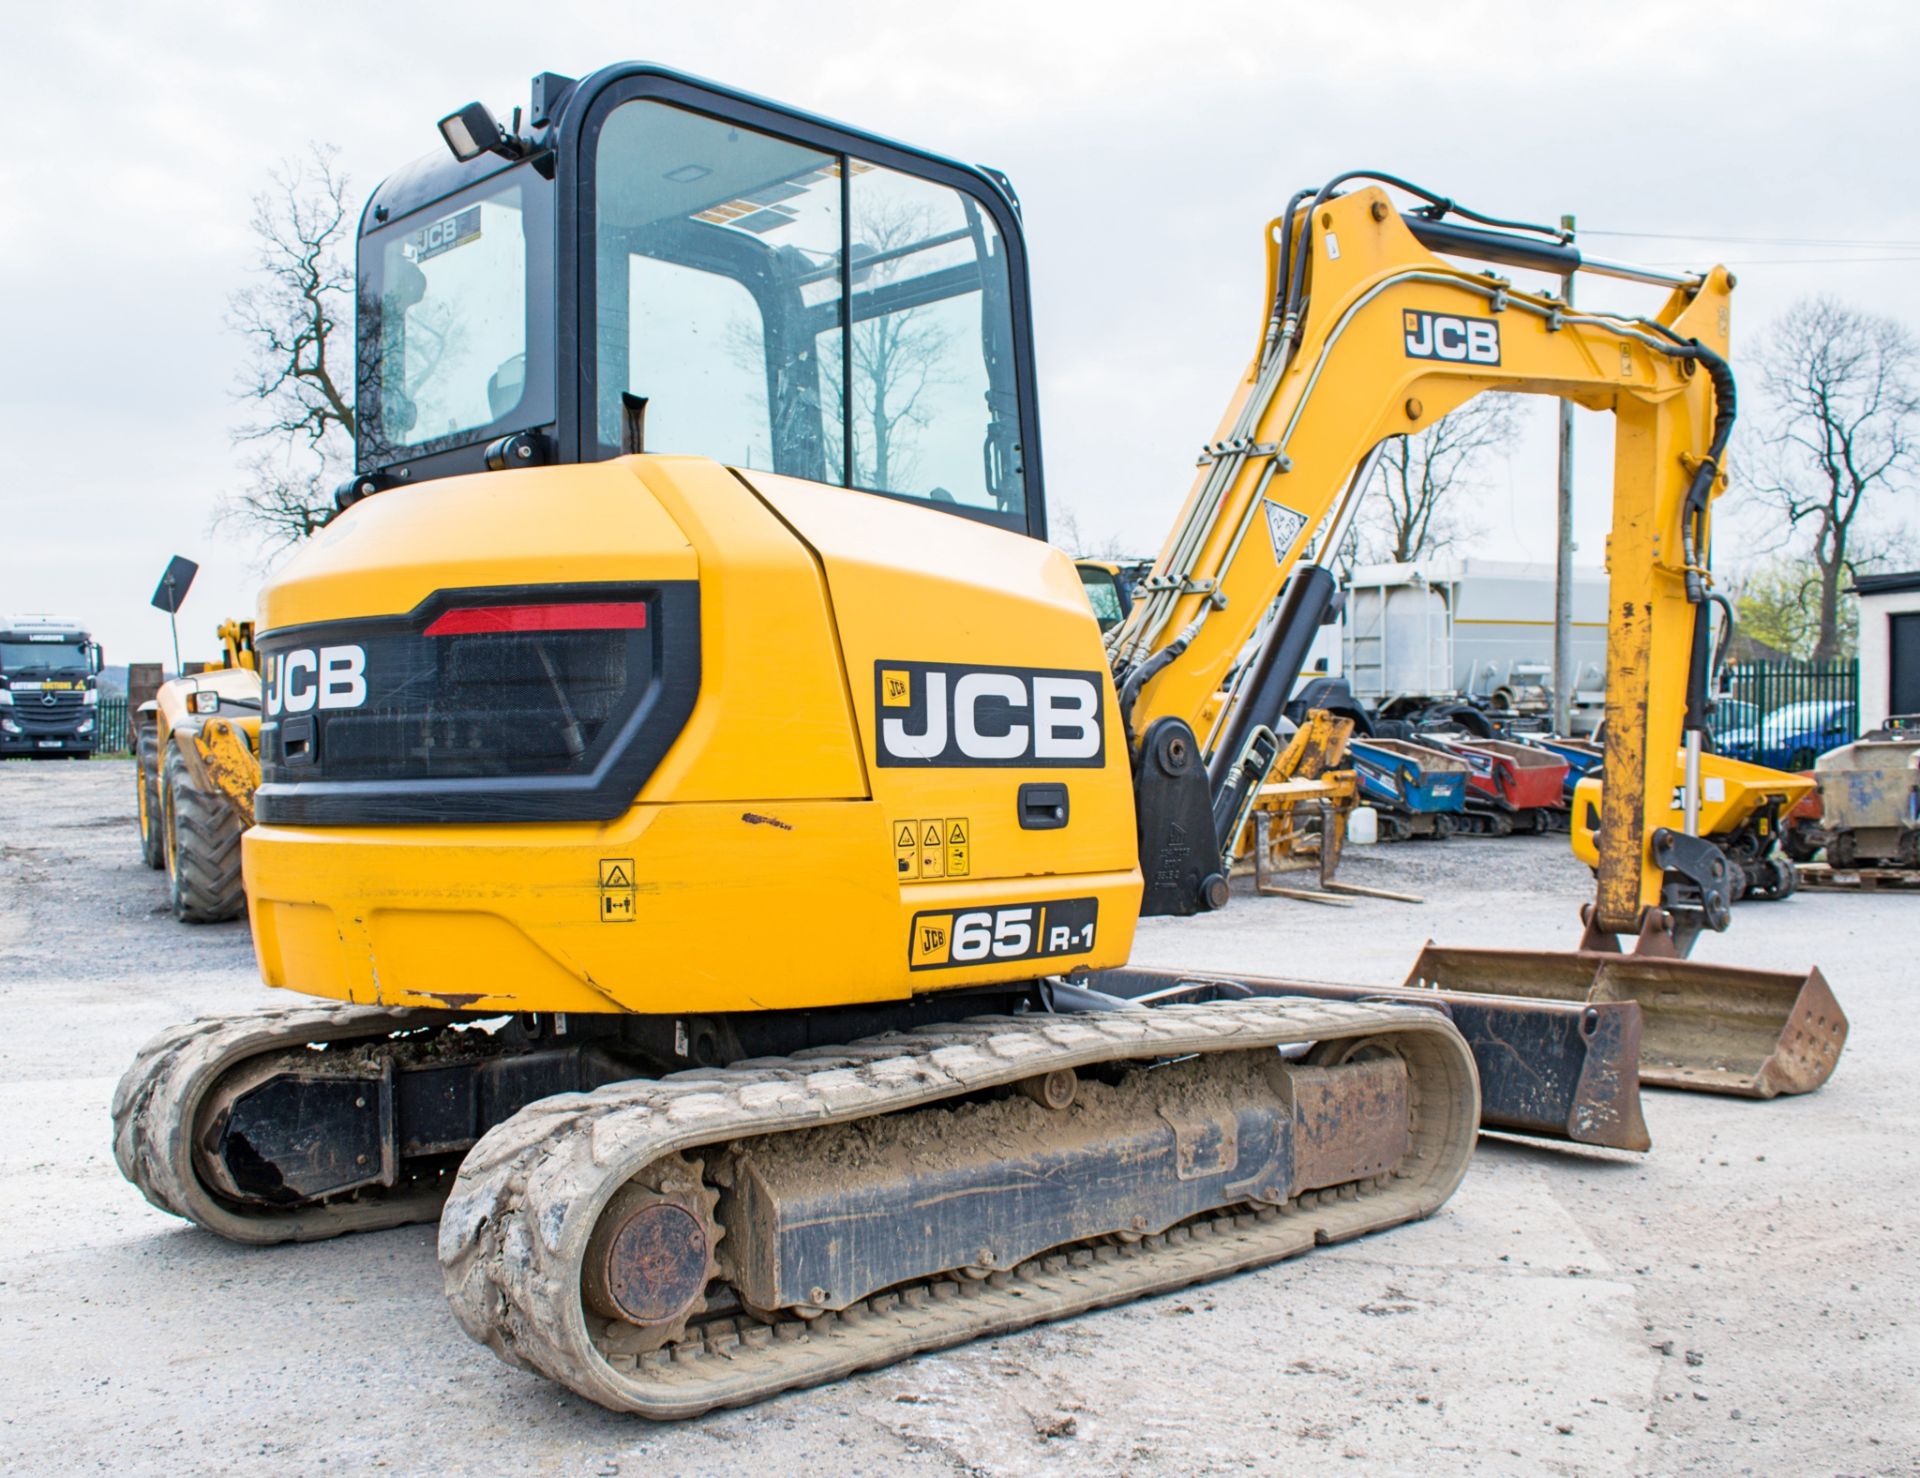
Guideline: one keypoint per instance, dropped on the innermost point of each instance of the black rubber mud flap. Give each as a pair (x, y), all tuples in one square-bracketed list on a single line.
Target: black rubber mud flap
[(1179, 854)]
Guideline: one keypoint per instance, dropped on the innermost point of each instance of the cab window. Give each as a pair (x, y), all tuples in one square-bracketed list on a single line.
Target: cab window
[(802, 312), (454, 315)]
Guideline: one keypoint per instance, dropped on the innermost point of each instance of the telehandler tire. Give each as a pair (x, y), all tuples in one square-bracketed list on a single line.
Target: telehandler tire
[(146, 789), (203, 849)]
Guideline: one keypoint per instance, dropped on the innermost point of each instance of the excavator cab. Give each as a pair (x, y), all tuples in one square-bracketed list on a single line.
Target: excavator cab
[(667, 265)]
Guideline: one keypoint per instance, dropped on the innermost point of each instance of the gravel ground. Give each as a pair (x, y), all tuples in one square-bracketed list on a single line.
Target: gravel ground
[(1742, 1300)]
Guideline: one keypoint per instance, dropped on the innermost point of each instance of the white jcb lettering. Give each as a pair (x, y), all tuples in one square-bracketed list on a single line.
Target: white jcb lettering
[(953, 717), (302, 680), (967, 694), (343, 677), (1066, 714), (294, 664), (1452, 338), (930, 741)]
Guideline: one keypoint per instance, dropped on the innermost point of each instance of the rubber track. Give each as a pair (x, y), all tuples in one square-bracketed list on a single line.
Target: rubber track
[(207, 885), (156, 1106), (515, 1228), (146, 780)]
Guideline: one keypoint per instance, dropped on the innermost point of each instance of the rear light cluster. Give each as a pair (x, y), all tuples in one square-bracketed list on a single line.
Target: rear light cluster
[(604, 615), (480, 704)]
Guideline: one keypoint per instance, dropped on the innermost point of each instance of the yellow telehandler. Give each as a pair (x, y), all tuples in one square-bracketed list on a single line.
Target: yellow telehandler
[(711, 824), (196, 764)]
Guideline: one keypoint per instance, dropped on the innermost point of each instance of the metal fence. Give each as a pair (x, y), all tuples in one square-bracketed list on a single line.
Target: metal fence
[(112, 736), (1773, 685)]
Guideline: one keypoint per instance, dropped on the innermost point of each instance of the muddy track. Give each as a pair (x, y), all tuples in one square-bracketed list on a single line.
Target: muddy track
[(515, 1230), (156, 1109)]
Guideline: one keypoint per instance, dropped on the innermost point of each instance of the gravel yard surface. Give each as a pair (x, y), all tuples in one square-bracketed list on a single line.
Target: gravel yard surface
[(1744, 1299)]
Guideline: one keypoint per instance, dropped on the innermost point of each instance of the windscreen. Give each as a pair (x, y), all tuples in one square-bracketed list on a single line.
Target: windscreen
[(31, 659)]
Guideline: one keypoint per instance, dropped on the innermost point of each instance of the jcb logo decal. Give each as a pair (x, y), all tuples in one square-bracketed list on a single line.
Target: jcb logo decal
[(1444, 336), (308, 678), (949, 716)]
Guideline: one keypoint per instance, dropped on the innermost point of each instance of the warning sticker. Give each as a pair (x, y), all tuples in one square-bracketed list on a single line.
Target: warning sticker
[(1283, 527), (616, 890), (932, 848)]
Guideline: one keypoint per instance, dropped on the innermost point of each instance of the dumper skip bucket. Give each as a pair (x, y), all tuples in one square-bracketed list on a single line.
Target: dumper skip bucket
[(1711, 1028)]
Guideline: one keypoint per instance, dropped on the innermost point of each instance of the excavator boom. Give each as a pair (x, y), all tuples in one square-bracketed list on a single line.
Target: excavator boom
[(1371, 333)]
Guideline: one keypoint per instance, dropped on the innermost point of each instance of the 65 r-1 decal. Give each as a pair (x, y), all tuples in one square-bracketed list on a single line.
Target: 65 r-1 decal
[(1016, 931)]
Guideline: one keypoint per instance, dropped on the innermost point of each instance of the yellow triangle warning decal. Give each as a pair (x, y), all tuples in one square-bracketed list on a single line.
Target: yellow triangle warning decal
[(959, 833), (617, 877), (932, 838), (905, 839)]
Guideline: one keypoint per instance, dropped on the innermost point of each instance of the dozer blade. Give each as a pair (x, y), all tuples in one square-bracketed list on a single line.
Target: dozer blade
[(1549, 1069), (1712, 1028)]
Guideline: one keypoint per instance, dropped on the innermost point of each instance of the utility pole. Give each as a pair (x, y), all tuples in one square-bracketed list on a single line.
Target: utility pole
[(1563, 674)]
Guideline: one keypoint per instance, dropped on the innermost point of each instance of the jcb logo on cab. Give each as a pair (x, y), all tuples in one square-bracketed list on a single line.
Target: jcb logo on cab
[(949, 716), (1444, 336)]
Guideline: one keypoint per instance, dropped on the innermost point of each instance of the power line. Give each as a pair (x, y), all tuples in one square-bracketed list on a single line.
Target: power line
[(1791, 262), (1755, 240)]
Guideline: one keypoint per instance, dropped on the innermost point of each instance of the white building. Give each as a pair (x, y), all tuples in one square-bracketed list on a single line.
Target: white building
[(1889, 646)]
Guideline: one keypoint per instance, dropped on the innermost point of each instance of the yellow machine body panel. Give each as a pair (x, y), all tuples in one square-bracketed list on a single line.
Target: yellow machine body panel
[(1731, 793), (761, 865), (236, 694)]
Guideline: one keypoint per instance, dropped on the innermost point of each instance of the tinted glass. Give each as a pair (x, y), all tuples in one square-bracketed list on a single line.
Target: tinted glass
[(43, 659), (717, 281), (726, 270), (932, 392), (454, 321)]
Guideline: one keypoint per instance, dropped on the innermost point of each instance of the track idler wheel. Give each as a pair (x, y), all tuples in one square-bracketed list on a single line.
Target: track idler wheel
[(651, 1255)]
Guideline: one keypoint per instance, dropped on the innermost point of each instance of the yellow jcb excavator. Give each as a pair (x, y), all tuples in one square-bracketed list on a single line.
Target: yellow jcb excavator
[(714, 829), (196, 765)]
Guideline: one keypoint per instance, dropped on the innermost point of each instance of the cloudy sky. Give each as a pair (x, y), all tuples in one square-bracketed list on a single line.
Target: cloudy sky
[(1149, 144)]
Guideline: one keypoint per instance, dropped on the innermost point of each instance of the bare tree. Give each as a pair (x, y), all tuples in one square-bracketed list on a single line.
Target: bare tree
[(1778, 610), (1415, 509), (898, 357), (1064, 532), (1840, 423), (297, 317)]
